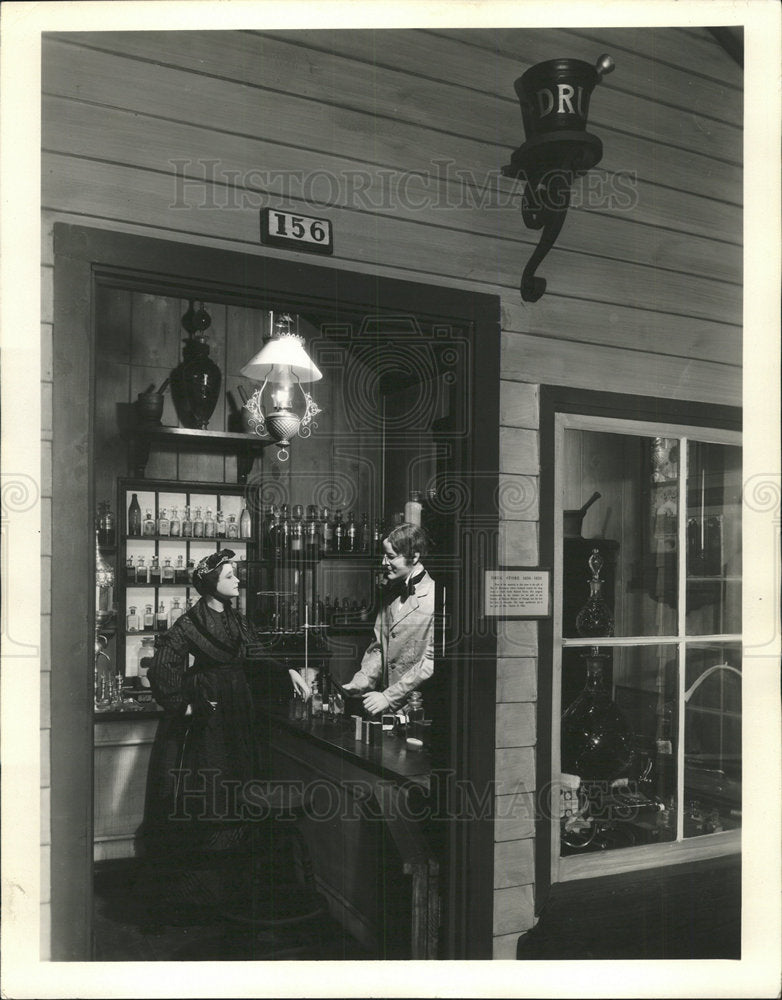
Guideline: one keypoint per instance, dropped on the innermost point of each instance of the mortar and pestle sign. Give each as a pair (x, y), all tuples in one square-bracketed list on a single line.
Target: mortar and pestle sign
[(149, 404), (573, 519)]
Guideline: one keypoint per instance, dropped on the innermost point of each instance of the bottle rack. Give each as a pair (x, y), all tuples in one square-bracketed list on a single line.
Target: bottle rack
[(155, 495)]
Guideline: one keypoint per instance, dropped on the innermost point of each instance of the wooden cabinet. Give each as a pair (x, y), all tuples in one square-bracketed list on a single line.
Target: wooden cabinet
[(121, 756)]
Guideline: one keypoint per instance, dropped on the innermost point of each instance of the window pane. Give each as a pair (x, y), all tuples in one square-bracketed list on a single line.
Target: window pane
[(712, 739), (713, 539), (634, 524), (619, 729)]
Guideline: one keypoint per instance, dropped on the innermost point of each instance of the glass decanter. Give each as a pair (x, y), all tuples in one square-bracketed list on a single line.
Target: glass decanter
[(596, 741), (595, 736), (595, 618)]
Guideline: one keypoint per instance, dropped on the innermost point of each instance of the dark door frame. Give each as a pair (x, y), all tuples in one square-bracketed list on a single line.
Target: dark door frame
[(83, 256)]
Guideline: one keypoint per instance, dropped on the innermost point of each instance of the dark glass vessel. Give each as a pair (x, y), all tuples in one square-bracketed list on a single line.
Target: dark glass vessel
[(596, 742), (196, 381)]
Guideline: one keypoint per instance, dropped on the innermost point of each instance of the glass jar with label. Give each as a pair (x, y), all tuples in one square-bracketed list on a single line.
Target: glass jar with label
[(149, 618), (132, 623), (415, 706), (148, 525)]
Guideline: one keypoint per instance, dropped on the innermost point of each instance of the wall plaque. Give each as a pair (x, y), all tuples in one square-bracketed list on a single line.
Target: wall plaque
[(517, 592)]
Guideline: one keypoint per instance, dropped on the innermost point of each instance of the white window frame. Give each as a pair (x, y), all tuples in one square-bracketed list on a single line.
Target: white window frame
[(624, 859)]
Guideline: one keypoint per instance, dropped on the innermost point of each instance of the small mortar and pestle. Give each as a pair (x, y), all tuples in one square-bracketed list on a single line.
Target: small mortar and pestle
[(572, 519), (149, 404)]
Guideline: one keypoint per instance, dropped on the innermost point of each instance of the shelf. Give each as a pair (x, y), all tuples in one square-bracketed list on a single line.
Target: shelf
[(713, 578), (354, 556), (183, 538), (245, 446), (166, 586)]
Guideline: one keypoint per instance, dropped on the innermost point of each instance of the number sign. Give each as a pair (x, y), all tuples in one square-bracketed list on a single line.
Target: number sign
[(296, 232)]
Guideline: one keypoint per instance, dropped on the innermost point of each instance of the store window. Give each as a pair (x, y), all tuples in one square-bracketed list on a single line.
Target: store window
[(647, 644)]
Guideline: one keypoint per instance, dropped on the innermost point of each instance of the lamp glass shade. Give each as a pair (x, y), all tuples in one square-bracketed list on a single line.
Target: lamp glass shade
[(280, 354)]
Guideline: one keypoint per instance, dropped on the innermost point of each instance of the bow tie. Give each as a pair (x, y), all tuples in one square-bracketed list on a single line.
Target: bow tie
[(407, 588)]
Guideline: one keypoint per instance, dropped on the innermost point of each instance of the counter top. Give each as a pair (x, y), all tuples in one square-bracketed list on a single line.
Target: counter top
[(129, 711), (390, 759)]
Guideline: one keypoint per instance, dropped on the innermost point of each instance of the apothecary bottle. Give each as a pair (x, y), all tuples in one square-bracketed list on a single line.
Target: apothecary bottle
[(148, 527), (180, 570), (326, 531), (232, 528), (175, 612), (175, 525), (142, 573), (187, 524), (274, 546), (161, 619), (313, 537), (338, 540), (104, 587), (284, 530), (365, 534), (220, 528), (245, 522), (134, 517), (351, 534), (209, 524), (595, 618), (132, 623), (168, 572), (163, 523), (415, 706), (198, 524), (297, 532), (130, 571), (106, 526), (413, 508), (149, 618), (154, 571)]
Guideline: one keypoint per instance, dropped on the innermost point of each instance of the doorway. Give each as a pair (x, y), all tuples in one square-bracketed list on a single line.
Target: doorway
[(458, 446)]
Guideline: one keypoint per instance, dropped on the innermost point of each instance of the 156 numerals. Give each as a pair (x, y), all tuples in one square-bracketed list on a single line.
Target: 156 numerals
[(299, 232)]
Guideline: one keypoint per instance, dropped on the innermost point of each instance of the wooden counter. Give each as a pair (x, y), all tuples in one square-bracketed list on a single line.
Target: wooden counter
[(365, 823)]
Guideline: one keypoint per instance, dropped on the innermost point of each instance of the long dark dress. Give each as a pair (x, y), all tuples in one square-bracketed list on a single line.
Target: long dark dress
[(201, 763)]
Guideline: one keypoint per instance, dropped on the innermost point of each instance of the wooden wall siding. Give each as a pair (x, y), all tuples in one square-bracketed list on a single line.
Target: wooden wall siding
[(652, 289), (517, 665)]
